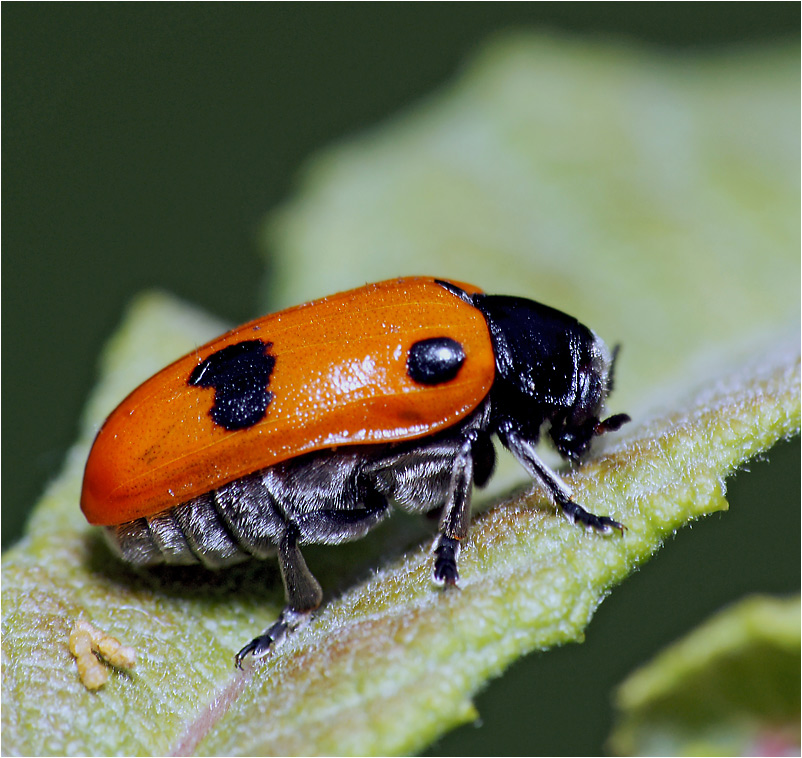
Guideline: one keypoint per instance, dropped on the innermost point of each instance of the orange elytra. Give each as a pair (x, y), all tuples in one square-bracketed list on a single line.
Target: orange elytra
[(339, 377)]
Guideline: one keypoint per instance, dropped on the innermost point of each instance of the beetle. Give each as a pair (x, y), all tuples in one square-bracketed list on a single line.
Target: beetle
[(303, 426)]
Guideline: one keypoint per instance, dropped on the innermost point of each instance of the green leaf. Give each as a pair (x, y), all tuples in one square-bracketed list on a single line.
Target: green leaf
[(731, 687), (392, 663), (506, 164)]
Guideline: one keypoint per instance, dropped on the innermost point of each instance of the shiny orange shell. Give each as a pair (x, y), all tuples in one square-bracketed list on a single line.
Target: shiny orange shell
[(339, 378)]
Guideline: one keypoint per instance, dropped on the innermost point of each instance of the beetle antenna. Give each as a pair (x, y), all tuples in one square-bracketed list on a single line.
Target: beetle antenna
[(612, 423)]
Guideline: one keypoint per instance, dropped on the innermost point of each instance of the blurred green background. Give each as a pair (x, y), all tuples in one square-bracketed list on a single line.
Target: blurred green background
[(143, 146)]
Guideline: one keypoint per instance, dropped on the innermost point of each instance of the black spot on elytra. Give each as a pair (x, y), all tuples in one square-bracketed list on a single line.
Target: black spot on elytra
[(240, 375), (435, 361)]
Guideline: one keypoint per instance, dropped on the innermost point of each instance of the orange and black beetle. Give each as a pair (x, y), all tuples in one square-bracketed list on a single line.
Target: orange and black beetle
[(302, 426)]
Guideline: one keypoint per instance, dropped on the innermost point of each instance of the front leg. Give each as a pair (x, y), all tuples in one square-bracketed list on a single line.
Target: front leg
[(456, 513), (524, 451)]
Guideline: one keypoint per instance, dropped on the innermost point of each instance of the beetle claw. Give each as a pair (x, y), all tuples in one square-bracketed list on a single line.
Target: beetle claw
[(274, 635), (257, 647), (260, 646)]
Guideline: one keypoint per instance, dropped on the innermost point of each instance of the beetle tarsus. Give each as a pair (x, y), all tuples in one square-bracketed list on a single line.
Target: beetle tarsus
[(273, 636), (261, 645), (578, 515), (445, 564)]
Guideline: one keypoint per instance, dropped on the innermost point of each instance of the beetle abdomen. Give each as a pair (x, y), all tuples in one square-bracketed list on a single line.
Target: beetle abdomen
[(327, 497), (318, 498), (231, 524)]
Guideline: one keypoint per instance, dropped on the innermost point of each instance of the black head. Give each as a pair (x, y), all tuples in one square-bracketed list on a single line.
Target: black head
[(549, 368), (573, 428)]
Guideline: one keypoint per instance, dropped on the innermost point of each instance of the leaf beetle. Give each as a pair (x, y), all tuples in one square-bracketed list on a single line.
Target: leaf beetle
[(303, 426)]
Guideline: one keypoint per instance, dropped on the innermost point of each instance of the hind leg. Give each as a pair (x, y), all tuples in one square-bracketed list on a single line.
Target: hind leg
[(303, 593)]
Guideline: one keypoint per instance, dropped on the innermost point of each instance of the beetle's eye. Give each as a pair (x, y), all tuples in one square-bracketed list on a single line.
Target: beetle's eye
[(435, 360)]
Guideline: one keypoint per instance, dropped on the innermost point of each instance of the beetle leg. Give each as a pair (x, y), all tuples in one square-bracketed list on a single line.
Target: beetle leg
[(303, 592), (456, 513), (524, 451)]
